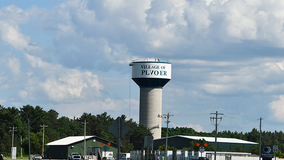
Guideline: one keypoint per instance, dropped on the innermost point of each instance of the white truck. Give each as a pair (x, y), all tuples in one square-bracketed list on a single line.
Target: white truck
[(74, 156)]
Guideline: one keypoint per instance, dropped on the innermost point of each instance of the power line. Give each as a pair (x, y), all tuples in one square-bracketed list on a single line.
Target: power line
[(193, 115)]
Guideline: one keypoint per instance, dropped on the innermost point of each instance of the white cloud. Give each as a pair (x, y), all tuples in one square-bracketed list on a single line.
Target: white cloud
[(10, 34), (36, 62), (196, 127), (218, 89), (251, 20), (197, 16), (14, 65), (277, 108), (23, 94), (5, 86), (236, 77), (128, 12), (62, 84), (240, 20), (116, 53), (10, 18), (113, 82), (2, 100), (159, 28), (170, 92)]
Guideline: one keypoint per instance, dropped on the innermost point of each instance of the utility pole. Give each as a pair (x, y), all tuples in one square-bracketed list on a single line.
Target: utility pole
[(13, 130), (85, 123), (216, 124), (29, 139), (119, 136), (21, 147), (43, 126), (260, 138), (167, 116)]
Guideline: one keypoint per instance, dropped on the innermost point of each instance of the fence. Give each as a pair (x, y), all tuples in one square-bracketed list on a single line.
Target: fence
[(171, 155), (191, 155)]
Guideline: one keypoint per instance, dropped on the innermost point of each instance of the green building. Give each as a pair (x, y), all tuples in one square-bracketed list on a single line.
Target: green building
[(226, 144), (61, 148)]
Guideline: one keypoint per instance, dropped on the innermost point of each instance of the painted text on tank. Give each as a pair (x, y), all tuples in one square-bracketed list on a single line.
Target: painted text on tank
[(154, 72)]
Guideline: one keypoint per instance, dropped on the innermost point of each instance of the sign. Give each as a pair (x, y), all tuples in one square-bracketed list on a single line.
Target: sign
[(146, 69), (114, 128), (148, 141), (275, 148), (201, 149), (118, 128), (105, 148), (266, 151), (13, 152)]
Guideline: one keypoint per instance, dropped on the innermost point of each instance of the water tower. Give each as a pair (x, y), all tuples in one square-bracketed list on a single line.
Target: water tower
[(151, 75)]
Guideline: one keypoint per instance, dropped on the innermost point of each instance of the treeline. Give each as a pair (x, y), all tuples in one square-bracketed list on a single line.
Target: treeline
[(60, 127), (267, 138)]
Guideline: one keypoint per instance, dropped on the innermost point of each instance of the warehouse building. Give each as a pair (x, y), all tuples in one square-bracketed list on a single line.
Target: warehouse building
[(226, 144), (60, 149)]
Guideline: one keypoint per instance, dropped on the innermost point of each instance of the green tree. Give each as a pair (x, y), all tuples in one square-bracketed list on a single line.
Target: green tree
[(60, 127), (46, 140), (101, 124), (52, 123), (35, 144), (36, 115), (253, 135), (52, 117), (134, 138), (64, 128), (255, 150), (280, 154)]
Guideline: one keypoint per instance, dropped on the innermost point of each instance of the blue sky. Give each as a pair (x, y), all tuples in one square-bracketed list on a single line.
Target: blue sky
[(73, 56)]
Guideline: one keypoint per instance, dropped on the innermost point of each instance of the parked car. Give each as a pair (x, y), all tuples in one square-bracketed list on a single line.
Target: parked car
[(37, 157), (124, 156), (74, 156)]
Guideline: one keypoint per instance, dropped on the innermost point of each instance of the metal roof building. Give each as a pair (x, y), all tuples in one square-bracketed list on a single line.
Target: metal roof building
[(226, 144), (60, 149)]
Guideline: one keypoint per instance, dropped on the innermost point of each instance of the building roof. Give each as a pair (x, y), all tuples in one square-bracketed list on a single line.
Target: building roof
[(68, 140), (212, 139)]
